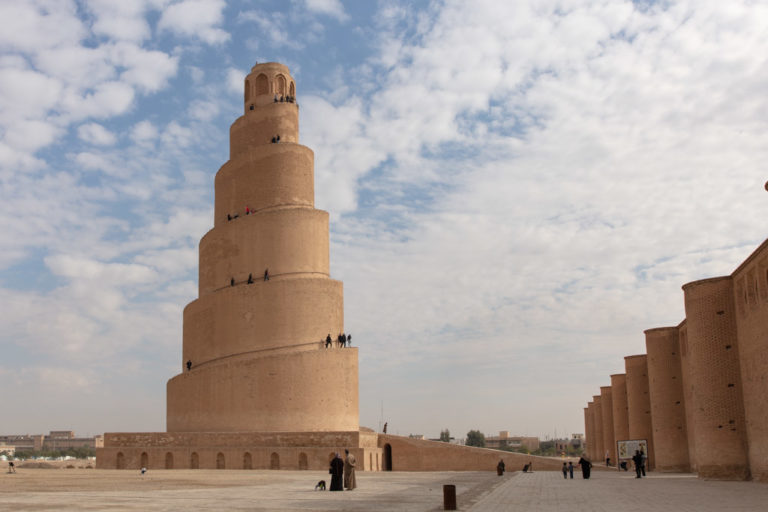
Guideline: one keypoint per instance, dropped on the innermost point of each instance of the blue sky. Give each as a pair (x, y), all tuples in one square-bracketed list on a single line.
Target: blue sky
[(516, 191)]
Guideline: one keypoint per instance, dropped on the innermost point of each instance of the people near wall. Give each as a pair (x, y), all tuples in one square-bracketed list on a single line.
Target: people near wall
[(248, 211), (276, 98), (349, 340), (277, 139), (350, 482), (500, 467), (266, 274), (586, 467), (143, 471), (337, 473), (274, 140), (232, 282), (338, 339), (229, 217), (638, 460), (282, 99), (250, 278), (570, 468), (343, 340), (644, 461), (189, 364), (607, 458), (328, 341), (11, 467), (565, 470)]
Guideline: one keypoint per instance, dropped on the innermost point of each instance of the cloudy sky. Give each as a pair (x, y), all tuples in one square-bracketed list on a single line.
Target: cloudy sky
[(517, 190)]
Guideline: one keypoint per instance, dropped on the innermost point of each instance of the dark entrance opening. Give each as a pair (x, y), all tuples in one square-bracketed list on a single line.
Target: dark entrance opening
[(387, 457)]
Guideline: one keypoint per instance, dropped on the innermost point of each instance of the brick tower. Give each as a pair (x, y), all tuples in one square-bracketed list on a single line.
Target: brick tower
[(255, 337)]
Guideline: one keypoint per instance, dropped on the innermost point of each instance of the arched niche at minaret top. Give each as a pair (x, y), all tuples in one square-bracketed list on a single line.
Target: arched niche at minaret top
[(264, 82)]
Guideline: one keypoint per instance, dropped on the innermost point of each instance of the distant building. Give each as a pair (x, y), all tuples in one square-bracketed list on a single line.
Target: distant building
[(576, 442), (504, 441), (55, 440)]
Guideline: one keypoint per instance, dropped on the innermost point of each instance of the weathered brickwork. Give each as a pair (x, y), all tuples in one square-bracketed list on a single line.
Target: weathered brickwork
[(688, 391), (665, 385), (751, 298), (606, 409), (599, 445), (706, 380), (639, 402), (619, 402), (718, 421), (590, 431)]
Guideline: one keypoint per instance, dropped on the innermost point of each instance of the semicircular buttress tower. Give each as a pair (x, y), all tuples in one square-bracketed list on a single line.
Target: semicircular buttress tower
[(254, 352)]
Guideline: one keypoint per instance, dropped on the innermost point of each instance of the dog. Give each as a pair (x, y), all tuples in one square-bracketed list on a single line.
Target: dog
[(320, 485)]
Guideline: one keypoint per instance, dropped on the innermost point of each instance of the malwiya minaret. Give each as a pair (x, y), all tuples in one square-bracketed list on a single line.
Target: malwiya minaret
[(254, 352), (259, 388)]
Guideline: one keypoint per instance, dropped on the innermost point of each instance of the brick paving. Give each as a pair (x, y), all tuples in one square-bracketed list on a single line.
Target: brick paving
[(612, 491)]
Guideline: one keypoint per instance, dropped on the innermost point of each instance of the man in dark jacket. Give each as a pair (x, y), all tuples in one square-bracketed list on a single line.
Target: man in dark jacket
[(637, 458)]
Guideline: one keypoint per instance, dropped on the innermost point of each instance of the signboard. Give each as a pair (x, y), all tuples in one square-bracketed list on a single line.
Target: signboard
[(626, 449)]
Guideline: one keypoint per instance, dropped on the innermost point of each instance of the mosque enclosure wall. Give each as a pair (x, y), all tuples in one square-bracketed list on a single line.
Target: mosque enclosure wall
[(606, 409), (751, 299), (599, 444), (665, 387), (619, 403), (639, 402), (718, 407), (699, 394)]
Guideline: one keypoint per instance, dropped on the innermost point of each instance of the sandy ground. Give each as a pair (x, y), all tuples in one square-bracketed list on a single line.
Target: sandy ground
[(96, 489)]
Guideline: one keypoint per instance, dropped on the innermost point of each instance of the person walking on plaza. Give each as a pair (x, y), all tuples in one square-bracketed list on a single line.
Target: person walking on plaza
[(570, 468), (644, 460), (500, 467), (349, 471), (586, 466), (337, 473), (638, 460), (565, 471)]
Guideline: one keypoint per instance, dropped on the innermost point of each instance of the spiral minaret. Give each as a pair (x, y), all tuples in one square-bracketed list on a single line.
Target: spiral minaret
[(254, 356)]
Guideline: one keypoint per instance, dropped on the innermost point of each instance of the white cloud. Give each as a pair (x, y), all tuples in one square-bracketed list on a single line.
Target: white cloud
[(203, 110), (36, 24), (120, 20), (24, 92), (176, 135), (144, 132), (273, 26), (195, 18), (97, 162), (148, 70), (333, 8), (94, 133), (30, 135), (235, 81), (107, 99)]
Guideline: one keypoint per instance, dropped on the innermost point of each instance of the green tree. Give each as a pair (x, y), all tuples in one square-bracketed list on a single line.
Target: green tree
[(445, 436), (475, 438)]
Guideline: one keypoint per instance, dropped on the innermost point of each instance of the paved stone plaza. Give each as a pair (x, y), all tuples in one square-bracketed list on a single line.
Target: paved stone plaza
[(77, 489)]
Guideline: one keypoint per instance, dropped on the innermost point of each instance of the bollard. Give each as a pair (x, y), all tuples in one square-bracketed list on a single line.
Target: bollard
[(449, 497)]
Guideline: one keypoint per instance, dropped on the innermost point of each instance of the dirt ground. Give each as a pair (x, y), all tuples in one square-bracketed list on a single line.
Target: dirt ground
[(97, 489)]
